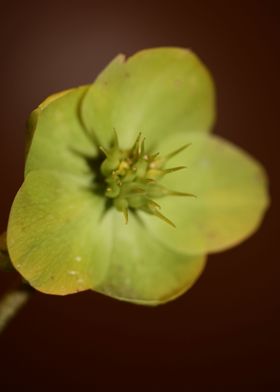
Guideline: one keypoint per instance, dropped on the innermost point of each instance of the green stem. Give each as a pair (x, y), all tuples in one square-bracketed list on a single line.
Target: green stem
[(11, 303)]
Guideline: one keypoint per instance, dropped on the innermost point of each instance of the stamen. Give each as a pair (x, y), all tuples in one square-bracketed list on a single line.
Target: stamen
[(149, 180), (104, 151), (116, 140), (175, 152), (134, 191), (153, 203), (137, 145), (142, 148), (163, 217), (175, 193), (173, 169), (125, 213)]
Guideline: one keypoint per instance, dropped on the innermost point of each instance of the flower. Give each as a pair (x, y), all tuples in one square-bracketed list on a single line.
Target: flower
[(98, 202)]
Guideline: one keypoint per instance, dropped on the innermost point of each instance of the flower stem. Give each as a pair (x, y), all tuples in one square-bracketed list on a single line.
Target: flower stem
[(11, 303)]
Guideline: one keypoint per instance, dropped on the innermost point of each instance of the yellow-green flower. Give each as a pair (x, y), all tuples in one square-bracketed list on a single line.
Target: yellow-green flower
[(105, 183)]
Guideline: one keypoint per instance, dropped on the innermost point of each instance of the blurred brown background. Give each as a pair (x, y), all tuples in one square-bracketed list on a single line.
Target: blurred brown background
[(224, 334)]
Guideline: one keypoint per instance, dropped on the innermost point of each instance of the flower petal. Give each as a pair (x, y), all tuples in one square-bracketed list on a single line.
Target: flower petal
[(231, 190), (58, 138), (55, 233), (61, 242), (157, 92), (143, 270), (34, 116)]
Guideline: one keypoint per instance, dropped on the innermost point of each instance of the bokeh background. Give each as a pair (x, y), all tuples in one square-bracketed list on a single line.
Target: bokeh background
[(222, 335)]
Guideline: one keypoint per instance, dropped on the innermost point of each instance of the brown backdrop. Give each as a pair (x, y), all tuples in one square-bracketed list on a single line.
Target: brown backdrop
[(224, 334)]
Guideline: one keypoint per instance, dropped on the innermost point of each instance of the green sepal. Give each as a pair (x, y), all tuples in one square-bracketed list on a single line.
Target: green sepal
[(142, 269), (157, 92), (58, 138), (231, 195), (62, 240)]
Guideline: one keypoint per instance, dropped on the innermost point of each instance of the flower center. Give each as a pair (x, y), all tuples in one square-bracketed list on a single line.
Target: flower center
[(132, 178)]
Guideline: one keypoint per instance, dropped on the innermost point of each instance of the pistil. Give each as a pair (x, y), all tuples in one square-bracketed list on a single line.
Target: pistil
[(133, 177)]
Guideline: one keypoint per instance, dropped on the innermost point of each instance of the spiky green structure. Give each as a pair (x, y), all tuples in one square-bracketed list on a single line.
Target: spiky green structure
[(133, 177)]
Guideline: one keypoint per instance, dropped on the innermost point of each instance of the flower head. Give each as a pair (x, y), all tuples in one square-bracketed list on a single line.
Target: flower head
[(105, 202)]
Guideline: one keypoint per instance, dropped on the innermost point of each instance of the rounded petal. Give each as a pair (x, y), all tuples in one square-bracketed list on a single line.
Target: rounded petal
[(33, 118), (142, 270), (157, 92), (58, 137), (231, 190), (61, 241), (56, 235)]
